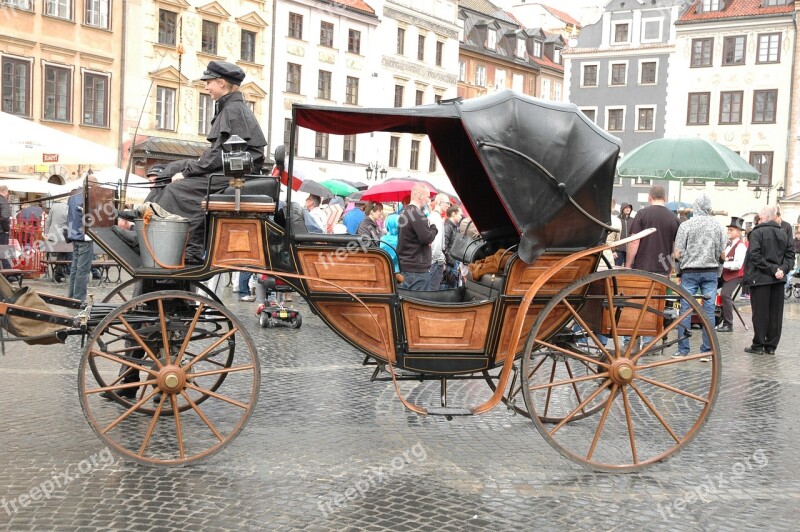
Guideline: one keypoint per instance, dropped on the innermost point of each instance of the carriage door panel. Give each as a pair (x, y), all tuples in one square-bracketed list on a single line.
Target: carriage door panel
[(238, 242), (523, 275), (433, 329), (358, 272), (369, 328)]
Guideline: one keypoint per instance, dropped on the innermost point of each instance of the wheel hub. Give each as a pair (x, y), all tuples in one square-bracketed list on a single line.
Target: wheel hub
[(622, 371), (171, 379)]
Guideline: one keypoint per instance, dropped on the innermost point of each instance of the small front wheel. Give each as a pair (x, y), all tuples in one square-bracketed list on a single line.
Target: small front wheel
[(297, 321)]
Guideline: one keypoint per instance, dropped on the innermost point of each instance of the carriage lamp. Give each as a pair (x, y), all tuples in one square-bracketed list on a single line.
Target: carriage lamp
[(376, 168), (236, 160)]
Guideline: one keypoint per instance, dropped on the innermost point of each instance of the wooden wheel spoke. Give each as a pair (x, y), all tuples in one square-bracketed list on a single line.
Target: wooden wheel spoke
[(190, 330), (602, 423), (179, 433), (672, 389), (216, 395), (164, 333), (655, 412), (687, 358), (611, 312), (640, 318), (574, 386), (141, 342), (130, 411), (116, 387), (538, 365), (123, 362), (660, 335), (581, 406), (629, 420), (202, 415), (550, 390), (573, 354), (219, 371), (569, 381), (210, 356), (213, 346), (152, 426), (586, 328)]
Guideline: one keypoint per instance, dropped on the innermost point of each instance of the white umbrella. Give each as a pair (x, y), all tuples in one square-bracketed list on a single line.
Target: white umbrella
[(23, 142), (29, 185), (138, 187)]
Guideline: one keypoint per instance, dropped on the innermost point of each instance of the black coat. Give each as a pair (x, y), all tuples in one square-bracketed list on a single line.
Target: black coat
[(769, 249)]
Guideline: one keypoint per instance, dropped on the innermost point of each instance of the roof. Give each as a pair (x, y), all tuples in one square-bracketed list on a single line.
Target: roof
[(357, 5), (497, 151), (734, 9), (484, 7), (562, 16), (172, 149)]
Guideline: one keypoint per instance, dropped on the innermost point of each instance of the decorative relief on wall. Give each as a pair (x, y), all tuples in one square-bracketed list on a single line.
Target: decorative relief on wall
[(420, 22), (399, 65), (294, 49)]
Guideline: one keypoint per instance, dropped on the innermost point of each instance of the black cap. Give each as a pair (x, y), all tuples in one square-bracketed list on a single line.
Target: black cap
[(737, 223), (224, 70), (155, 170)]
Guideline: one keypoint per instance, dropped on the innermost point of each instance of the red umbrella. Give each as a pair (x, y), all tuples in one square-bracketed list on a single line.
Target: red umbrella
[(392, 190), (296, 182)]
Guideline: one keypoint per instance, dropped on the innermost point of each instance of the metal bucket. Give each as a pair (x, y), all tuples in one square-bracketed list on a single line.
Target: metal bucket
[(167, 239)]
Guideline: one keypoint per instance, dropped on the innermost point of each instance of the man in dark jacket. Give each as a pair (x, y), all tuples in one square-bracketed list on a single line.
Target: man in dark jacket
[(188, 189), (769, 258), (414, 241)]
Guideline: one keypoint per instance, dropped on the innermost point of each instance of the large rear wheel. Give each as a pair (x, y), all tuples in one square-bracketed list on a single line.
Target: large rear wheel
[(646, 405), (150, 365)]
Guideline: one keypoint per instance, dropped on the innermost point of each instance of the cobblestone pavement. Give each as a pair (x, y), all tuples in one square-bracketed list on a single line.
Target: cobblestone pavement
[(328, 450)]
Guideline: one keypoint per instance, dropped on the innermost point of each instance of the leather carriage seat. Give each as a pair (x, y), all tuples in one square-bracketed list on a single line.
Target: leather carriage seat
[(258, 195), (489, 286)]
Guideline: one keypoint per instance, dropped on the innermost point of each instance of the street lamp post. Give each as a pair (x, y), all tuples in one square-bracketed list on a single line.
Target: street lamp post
[(376, 168), (758, 189)]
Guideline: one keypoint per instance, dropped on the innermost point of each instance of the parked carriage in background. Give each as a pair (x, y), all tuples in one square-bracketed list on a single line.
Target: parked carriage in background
[(555, 337)]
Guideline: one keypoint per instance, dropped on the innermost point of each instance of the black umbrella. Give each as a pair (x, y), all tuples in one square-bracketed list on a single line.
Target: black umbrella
[(360, 185), (312, 187)]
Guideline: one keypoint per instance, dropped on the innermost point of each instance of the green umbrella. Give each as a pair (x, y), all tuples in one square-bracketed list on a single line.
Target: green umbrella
[(339, 188), (682, 158)]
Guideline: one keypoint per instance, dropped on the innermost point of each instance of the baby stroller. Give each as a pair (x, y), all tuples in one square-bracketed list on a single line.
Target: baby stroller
[(275, 311)]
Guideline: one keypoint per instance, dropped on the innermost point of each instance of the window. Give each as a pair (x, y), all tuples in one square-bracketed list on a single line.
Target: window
[(97, 13), (326, 34), (537, 48), (499, 79), (324, 85), (521, 48), (57, 94), (421, 48), (618, 74), (518, 82), (545, 94), (697, 112), (354, 41), (769, 50), (770, 3), (418, 97), (349, 149), (58, 8), (647, 72), (398, 96), (413, 163), (16, 86), (764, 104), (710, 5), (557, 55), (293, 72), (321, 146), (480, 75), (248, 46), (651, 30), (460, 30), (351, 91), (295, 25), (645, 119), (591, 114), (730, 107), (167, 23), (208, 42), (394, 149), (733, 50), (205, 112), (439, 52), (432, 161), (557, 91), (621, 33), (437, 98), (589, 76), (165, 108), (616, 120), (19, 4), (401, 41), (462, 71), (287, 135), (762, 161), (701, 52), (491, 40)]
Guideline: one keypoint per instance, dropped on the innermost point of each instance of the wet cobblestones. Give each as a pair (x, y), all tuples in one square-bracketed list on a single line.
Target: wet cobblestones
[(325, 448)]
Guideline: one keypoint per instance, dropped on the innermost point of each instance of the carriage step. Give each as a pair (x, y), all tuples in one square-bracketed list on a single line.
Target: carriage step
[(449, 411)]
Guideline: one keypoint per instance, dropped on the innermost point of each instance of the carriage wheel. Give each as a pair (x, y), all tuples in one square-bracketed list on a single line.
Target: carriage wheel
[(647, 405), (124, 292), (176, 345), (123, 340)]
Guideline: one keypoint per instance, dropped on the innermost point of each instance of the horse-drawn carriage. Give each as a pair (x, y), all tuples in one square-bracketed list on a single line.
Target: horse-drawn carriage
[(556, 336)]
